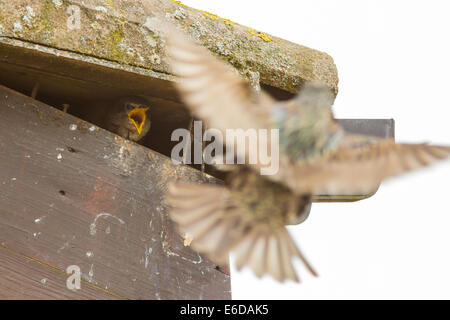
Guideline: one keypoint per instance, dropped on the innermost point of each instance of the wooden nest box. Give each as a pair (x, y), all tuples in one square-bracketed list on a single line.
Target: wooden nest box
[(74, 194)]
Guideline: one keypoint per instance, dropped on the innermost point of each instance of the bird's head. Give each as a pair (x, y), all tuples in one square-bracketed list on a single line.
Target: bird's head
[(135, 118), (316, 99), (306, 122), (138, 117)]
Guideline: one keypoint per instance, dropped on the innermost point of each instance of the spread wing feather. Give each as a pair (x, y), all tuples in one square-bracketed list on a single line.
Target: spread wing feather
[(352, 164), (359, 166), (217, 225), (212, 89)]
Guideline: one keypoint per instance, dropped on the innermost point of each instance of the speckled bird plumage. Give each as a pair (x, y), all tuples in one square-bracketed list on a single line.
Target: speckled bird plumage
[(316, 157), (266, 201), (311, 133), (250, 212)]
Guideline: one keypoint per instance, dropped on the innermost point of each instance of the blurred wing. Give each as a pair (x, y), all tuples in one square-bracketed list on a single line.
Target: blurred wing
[(208, 215), (359, 165), (212, 90)]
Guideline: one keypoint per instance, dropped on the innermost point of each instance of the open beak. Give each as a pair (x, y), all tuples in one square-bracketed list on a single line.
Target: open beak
[(138, 117)]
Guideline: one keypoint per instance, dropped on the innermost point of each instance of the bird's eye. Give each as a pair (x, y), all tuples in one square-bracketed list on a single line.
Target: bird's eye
[(129, 107)]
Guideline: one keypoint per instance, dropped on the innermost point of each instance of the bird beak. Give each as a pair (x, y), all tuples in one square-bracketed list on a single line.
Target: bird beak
[(138, 117)]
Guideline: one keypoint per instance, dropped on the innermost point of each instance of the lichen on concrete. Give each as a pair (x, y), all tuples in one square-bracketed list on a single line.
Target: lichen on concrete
[(122, 32), (259, 34)]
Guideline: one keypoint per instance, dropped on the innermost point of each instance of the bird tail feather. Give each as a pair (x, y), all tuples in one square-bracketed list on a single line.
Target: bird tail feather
[(207, 215)]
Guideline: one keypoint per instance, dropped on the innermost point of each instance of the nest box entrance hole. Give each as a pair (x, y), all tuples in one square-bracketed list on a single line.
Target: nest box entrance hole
[(79, 87)]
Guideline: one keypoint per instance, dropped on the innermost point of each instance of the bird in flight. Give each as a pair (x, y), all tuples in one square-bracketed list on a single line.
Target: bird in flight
[(248, 214)]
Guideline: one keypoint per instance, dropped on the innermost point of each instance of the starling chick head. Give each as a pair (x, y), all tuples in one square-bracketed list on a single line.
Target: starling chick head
[(130, 118)]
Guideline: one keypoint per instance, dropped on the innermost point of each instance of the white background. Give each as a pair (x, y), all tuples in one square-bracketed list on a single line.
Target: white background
[(393, 59)]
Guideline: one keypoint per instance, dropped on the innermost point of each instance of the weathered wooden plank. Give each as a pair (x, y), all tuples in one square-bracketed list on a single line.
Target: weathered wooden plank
[(25, 278), (74, 194)]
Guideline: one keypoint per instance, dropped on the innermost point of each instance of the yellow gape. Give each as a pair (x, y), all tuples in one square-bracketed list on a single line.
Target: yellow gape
[(138, 117)]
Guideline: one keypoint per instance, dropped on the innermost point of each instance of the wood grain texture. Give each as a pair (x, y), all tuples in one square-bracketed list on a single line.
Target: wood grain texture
[(25, 278), (74, 194)]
